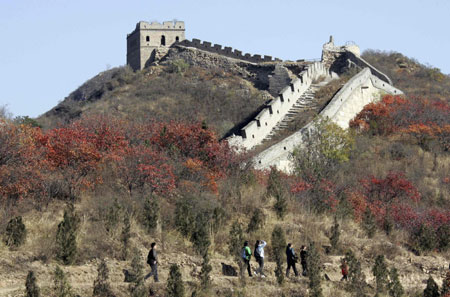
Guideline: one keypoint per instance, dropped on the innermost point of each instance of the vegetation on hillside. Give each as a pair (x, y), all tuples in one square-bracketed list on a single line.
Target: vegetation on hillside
[(163, 93), (410, 76), (105, 186)]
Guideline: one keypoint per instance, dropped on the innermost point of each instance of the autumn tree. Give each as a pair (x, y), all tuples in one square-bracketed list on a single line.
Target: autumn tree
[(236, 239), (277, 189), (335, 233), (32, 289), (278, 246), (256, 221), (314, 276), (175, 286), (394, 286), (324, 147), (125, 236), (137, 286), (21, 162), (380, 272), (62, 287), (368, 223), (432, 289), (66, 236), (205, 279), (142, 168), (151, 213), (15, 233), (200, 235), (355, 274), (102, 288)]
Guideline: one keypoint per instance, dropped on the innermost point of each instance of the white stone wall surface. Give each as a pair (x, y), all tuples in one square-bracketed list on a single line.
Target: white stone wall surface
[(360, 90), (258, 129)]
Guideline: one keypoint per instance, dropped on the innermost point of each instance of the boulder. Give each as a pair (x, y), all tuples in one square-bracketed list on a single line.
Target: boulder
[(228, 270)]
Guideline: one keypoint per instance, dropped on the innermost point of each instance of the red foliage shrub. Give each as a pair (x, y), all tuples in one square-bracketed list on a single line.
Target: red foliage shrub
[(192, 141), (421, 118), (405, 216), (379, 113), (20, 161), (140, 166), (436, 218), (392, 188)]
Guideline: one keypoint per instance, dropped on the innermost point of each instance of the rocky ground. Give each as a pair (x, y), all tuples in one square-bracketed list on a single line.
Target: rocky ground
[(413, 270)]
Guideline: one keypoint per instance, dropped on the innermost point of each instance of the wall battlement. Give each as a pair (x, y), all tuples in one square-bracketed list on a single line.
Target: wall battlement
[(226, 51), (360, 90), (174, 25)]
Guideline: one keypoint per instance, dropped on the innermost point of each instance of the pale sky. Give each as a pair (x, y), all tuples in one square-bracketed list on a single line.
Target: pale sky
[(50, 47)]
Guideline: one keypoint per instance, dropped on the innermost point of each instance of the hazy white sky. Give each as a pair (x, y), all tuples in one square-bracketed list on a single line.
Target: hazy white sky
[(50, 47)]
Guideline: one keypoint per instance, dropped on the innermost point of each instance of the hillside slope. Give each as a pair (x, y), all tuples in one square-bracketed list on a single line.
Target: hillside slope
[(134, 175), (172, 92), (411, 76)]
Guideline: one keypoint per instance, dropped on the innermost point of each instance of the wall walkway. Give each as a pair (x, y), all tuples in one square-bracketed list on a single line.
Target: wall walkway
[(275, 111), (360, 90)]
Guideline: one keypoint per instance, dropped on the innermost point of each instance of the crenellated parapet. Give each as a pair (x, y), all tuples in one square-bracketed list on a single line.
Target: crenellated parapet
[(359, 91), (260, 127), (226, 51)]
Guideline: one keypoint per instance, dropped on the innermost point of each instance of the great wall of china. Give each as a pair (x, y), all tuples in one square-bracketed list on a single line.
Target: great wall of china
[(361, 89)]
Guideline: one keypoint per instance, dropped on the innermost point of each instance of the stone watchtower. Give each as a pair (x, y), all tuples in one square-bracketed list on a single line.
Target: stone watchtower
[(147, 38)]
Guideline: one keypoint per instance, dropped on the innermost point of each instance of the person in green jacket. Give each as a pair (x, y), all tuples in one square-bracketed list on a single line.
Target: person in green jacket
[(246, 255)]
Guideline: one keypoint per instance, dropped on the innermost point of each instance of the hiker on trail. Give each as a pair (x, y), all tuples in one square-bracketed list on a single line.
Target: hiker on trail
[(303, 257), (259, 256), (246, 255), (344, 270), (152, 260), (291, 259)]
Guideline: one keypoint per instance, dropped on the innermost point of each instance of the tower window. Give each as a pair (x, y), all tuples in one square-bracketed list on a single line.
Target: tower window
[(177, 38), (163, 40), (147, 38)]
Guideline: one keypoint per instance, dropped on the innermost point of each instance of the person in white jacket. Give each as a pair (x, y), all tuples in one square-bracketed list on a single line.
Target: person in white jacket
[(259, 256)]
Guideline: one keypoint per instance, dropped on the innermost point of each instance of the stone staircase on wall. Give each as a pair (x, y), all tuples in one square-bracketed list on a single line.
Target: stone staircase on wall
[(360, 90), (305, 102)]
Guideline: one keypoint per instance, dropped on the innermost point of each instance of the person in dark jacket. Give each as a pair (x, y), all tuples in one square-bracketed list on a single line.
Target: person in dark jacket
[(291, 259), (152, 260), (303, 256), (246, 255)]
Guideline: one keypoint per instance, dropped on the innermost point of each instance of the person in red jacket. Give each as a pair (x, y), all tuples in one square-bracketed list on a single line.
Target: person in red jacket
[(344, 270)]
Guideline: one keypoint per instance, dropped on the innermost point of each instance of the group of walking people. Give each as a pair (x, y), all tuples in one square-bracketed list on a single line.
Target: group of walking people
[(258, 253), (292, 259)]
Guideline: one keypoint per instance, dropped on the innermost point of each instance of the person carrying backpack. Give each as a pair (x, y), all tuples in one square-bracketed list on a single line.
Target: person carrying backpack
[(291, 259), (303, 256), (259, 256), (152, 260), (246, 255)]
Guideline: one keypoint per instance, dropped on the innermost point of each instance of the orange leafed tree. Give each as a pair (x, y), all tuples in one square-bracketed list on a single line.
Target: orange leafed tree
[(20, 161)]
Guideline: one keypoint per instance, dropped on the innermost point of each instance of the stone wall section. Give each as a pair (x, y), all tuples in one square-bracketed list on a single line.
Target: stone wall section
[(258, 129), (226, 51), (360, 90), (339, 57)]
